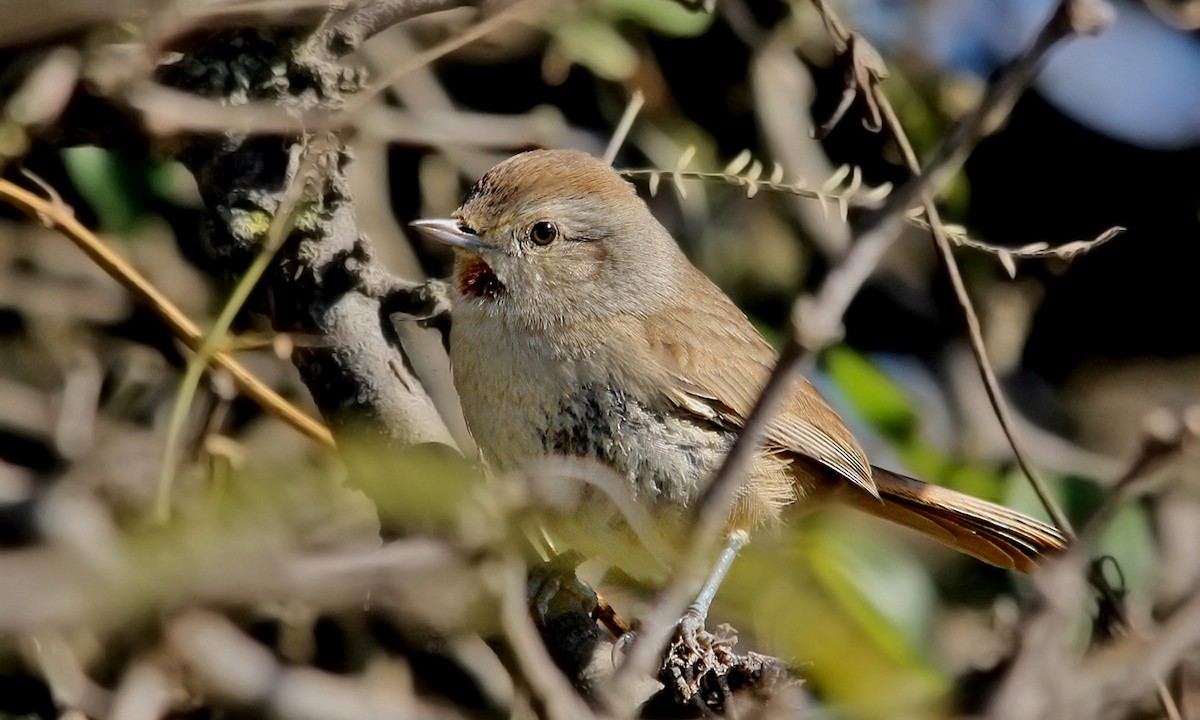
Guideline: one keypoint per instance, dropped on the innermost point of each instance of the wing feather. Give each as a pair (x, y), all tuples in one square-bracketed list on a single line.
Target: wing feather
[(717, 363)]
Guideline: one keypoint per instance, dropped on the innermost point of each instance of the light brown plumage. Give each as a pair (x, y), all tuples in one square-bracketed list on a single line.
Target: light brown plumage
[(694, 340), (605, 342)]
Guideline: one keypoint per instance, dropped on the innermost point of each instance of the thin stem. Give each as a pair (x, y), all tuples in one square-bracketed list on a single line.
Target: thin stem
[(618, 137), (62, 218), (814, 325), (281, 225), (974, 330)]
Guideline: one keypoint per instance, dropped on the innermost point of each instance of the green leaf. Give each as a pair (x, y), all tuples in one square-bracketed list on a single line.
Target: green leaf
[(105, 180), (834, 600), (885, 589), (1129, 540), (1019, 494), (882, 402), (666, 17), (594, 43)]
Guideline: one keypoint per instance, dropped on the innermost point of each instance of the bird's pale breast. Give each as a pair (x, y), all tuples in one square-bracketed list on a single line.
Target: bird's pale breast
[(524, 402)]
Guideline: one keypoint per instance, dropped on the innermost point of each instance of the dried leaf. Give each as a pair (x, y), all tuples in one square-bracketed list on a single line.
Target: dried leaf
[(877, 193), (738, 164), (685, 158), (1006, 259), (1034, 249), (836, 179), (677, 180), (855, 182)]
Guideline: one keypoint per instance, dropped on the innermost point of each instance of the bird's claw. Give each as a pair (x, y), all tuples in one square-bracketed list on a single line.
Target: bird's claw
[(688, 631), (695, 653), (622, 642)]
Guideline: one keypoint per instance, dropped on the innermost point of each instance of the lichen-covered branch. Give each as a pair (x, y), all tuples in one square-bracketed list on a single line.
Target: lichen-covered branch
[(324, 288)]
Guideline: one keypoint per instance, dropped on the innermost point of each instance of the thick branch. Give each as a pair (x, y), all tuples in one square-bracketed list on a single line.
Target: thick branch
[(324, 287)]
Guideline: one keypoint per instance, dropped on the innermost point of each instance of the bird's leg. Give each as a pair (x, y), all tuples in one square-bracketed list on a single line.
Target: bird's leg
[(692, 622)]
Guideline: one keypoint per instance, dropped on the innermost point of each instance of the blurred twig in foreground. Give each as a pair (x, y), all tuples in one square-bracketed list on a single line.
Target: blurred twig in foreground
[(57, 215)]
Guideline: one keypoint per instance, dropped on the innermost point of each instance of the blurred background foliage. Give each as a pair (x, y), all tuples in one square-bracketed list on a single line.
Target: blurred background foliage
[(881, 624)]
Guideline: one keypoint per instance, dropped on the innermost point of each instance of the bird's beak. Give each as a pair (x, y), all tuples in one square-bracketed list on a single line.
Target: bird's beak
[(450, 232)]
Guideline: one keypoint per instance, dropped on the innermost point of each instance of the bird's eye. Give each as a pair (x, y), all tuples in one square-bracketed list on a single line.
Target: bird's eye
[(543, 233)]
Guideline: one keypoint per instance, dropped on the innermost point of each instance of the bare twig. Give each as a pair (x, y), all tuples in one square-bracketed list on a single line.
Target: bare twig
[(1165, 436), (305, 160), (975, 333), (622, 131), (815, 324), (61, 217), (29, 22), (63, 669), (231, 666), (369, 18), (1070, 18), (1065, 21), (1133, 664), (1030, 251), (1136, 661), (542, 126), (787, 126), (552, 689), (145, 691), (516, 11), (844, 189), (167, 111)]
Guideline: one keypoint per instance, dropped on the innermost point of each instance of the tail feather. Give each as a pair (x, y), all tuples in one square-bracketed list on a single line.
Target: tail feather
[(984, 530)]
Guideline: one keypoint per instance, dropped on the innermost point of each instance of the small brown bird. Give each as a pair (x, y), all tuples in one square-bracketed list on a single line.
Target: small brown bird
[(581, 329)]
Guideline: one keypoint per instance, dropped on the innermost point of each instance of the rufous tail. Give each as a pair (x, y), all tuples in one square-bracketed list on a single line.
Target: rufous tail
[(981, 529)]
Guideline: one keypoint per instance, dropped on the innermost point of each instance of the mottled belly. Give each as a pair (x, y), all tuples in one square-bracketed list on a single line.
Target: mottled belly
[(664, 456)]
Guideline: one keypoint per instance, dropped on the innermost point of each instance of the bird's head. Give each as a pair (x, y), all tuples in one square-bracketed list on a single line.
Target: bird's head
[(556, 235)]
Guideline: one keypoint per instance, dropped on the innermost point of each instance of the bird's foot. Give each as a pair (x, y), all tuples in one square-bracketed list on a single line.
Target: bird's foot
[(697, 657), (690, 630), (702, 669)]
